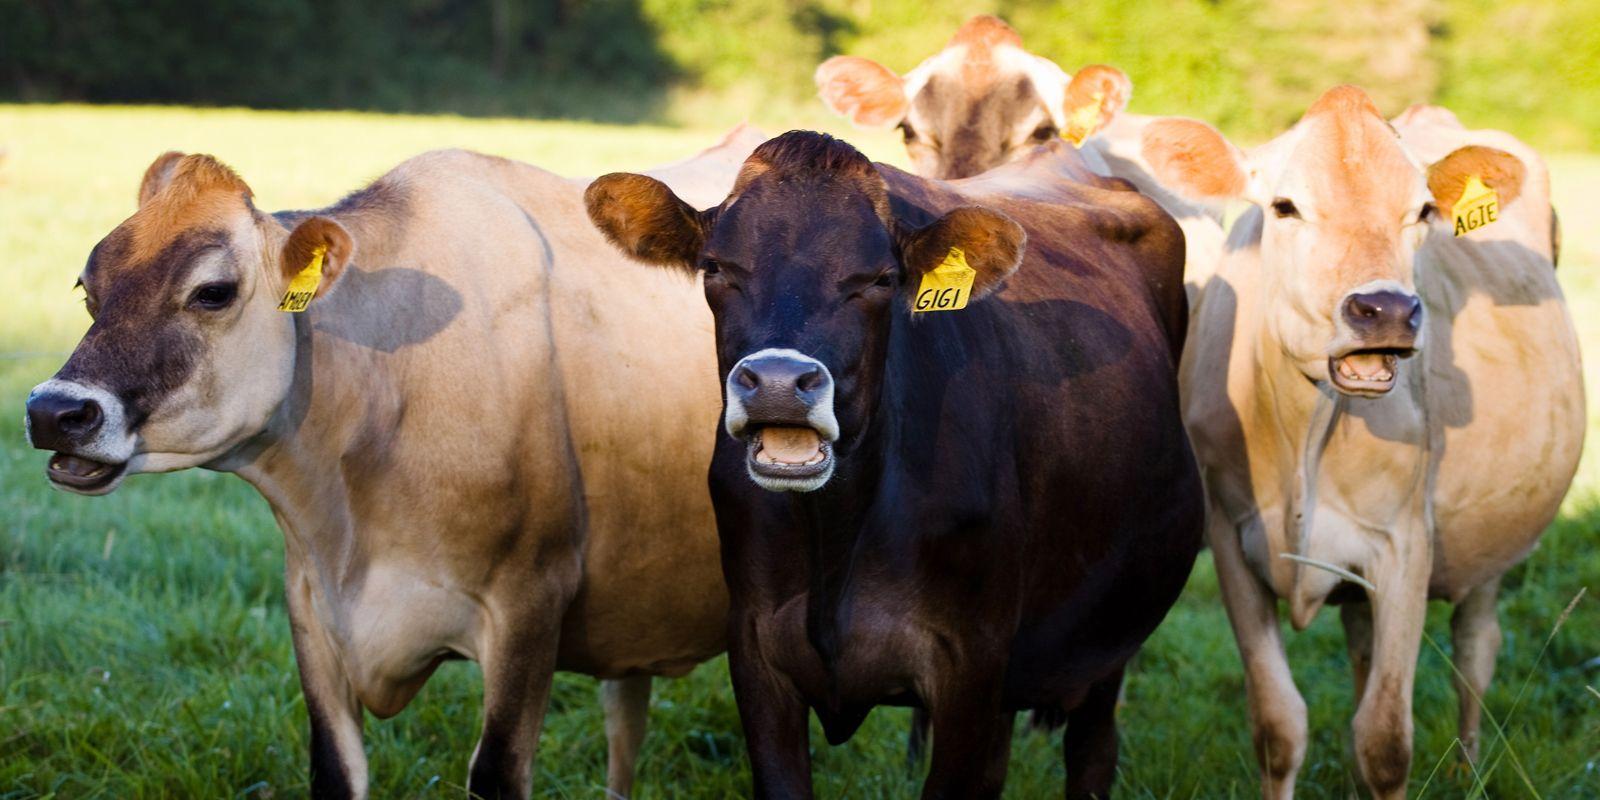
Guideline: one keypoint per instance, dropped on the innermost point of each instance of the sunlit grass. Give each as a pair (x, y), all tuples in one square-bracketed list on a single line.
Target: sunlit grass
[(144, 649)]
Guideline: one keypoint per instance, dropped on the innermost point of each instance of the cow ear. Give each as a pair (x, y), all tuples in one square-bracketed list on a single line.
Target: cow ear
[(645, 220), (866, 92), (1195, 160), (158, 175), (989, 242), (1095, 95), (313, 258), (1498, 170)]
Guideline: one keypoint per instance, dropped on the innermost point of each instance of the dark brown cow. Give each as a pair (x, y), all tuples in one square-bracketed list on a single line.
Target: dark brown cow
[(972, 508)]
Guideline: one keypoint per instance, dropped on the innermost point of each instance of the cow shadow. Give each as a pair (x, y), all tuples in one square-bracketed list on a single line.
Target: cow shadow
[(389, 309)]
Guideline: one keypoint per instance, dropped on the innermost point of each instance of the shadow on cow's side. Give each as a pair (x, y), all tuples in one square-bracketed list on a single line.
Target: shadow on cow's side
[(389, 309)]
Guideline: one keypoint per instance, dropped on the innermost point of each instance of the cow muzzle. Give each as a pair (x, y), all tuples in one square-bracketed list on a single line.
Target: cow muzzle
[(780, 402), (85, 427), (1377, 329)]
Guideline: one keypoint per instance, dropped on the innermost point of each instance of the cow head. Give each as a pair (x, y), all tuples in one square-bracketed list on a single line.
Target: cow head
[(977, 104), (187, 355), (1344, 210), (804, 268)]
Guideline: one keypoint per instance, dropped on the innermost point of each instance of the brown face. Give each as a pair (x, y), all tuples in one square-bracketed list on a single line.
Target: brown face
[(981, 102), (186, 355)]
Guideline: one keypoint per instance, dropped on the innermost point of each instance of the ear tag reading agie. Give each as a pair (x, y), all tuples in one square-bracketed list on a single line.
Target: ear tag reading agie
[(1479, 205), (303, 286), (948, 286), (1082, 120)]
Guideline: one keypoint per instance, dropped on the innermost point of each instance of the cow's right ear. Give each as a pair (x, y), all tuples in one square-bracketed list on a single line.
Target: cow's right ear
[(645, 220), (1195, 160), (1095, 95), (158, 175), (866, 92)]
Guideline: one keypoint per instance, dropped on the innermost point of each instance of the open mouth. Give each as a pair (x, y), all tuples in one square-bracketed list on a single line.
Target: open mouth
[(1366, 373), (82, 474), (782, 453)]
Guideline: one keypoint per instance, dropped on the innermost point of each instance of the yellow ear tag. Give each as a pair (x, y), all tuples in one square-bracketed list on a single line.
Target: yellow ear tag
[(303, 286), (948, 286), (1479, 205), (1083, 119)]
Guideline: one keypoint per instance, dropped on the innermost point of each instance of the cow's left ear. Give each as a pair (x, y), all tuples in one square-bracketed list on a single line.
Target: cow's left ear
[(990, 243), (1096, 94), (866, 92), (1448, 177), (645, 220), (315, 255)]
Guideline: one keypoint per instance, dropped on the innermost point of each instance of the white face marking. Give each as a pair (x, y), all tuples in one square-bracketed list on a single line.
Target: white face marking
[(820, 417), (112, 443)]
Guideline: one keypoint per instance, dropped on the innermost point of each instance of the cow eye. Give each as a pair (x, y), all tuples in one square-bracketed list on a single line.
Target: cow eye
[(907, 132), (214, 296), (1045, 133), (1428, 210), (886, 279), (710, 266), (1284, 207)]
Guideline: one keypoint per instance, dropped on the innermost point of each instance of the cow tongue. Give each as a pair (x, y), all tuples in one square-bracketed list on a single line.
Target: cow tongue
[(1366, 366), (784, 445), (75, 466)]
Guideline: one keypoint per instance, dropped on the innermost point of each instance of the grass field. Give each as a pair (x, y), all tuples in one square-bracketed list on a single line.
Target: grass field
[(144, 648)]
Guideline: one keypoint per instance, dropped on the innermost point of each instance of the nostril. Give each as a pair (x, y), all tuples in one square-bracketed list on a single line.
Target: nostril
[(811, 381), (79, 420), (1415, 319), (747, 378), (1359, 306)]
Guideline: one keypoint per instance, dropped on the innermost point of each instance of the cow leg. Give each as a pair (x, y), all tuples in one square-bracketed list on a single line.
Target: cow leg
[(1357, 619), (1277, 712), (776, 720), (1475, 631), (338, 761), (971, 739), (518, 668), (1089, 746), (1383, 719), (917, 741), (627, 708)]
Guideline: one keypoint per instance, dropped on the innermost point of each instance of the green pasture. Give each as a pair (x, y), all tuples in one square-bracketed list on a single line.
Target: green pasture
[(144, 648)]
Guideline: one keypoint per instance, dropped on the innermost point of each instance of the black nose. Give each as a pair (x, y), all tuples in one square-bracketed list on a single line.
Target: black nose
[(1384, 319), (60, 422), (780, 389)]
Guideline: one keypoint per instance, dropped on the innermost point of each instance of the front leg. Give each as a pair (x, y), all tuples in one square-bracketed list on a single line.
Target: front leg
[(1383, 723), (519, 663), (774, 717), (971, 738), (1090, 744), (338, 761)]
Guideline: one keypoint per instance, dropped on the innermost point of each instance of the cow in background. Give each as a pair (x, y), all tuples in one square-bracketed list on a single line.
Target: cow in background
[(984, 101), (1384, 390), (951, 471), (423, 382)]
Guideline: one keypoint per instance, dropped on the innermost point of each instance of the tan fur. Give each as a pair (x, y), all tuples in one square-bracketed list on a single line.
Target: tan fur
[(492, 446), (866, 92), (1099, 85), (1193, 156), (985, 30), (1403, 494), (1498, 170)]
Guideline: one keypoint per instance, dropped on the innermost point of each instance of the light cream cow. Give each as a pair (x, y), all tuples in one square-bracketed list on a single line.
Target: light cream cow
[(984, 101), (1384, 413), (452, 436)]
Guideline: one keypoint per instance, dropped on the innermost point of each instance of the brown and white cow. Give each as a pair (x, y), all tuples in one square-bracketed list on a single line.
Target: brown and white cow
[(440, 435), (984, 101), (1385, 412)]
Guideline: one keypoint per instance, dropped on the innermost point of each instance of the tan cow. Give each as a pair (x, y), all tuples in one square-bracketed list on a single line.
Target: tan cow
[(984, 101), (1385, 413), (449, 435)]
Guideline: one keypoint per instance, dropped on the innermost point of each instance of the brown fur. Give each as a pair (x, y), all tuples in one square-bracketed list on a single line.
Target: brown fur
[(303, 242), (985, 31), (158, 174), (1194, 157), (644, 219), (1344, 99), (180, 193), (993, 244), (798, 158), (1498, 170)]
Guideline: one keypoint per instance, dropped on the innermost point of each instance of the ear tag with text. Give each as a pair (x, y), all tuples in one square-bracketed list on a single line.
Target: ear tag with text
[(1479, 205), (948, 286), (303, 286), (1082, 120)]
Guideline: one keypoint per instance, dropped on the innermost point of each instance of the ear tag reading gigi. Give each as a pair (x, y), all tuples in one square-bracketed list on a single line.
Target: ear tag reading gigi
[(1083, 119), (1479, 205), (303, 286), (948, 286)]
